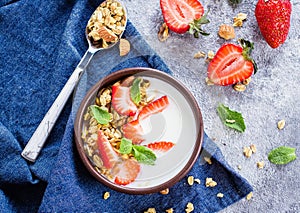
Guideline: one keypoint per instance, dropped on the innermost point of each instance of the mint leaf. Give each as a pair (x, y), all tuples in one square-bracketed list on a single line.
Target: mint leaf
[(125, 146), (282, 155), (135, 92), (143, 155), (102, 116), (231, 118)]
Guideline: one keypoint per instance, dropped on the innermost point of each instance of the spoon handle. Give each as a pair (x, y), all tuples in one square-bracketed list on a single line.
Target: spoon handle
[(38, 139)]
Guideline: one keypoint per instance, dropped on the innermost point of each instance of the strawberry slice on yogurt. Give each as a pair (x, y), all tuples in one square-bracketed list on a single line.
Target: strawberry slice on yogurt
[(107, 154)]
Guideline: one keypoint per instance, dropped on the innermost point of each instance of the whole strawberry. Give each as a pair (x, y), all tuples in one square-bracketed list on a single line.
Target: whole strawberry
[(273, 18)]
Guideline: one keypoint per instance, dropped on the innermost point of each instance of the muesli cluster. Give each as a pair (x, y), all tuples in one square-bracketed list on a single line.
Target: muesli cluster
[(106, 24)]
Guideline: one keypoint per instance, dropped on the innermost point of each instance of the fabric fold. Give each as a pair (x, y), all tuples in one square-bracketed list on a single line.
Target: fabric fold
[(41, 45)]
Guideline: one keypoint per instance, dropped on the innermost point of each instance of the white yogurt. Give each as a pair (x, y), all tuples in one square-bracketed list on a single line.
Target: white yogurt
[(176, 124)]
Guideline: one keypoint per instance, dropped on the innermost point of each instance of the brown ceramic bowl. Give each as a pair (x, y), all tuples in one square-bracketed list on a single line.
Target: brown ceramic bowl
[(179, 123)]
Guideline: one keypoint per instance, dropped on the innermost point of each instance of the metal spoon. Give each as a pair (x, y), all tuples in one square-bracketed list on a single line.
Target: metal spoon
[(38, 139)]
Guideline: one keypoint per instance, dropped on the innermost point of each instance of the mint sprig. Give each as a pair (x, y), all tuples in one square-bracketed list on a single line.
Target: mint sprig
[(144, 155), (125, 146), (101, 115), (141, 153), (135, 92), (231, 118), (282, 155)]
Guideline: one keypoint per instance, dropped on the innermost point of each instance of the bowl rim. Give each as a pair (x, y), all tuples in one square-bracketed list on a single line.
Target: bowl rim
[(113, 77)]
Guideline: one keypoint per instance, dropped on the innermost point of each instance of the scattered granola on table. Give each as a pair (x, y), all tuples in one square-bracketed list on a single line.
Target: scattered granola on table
[(226, 32), (260, 164), (190, 180), (246, 81), (165, 191), (150, 210), (189, 207), (210, 55), (106, 195), (208, 160), (209, 182), (163, 32), (220, 195), (200, 54), (238, 20), (197, 180), (170, 210), (253, 148), (209, 82), (247, 152), (239, 87), (281, 124), (249, 196)]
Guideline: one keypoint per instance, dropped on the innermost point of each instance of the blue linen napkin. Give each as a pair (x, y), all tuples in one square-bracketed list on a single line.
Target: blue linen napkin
[(41, 44)]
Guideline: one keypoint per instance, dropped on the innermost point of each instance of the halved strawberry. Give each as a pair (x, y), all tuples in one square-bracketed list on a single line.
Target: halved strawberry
[(122, 102), (183, 15), (154, 107), (106, 151), (126, 171), (133, 131), (161, 146), (231, 64)]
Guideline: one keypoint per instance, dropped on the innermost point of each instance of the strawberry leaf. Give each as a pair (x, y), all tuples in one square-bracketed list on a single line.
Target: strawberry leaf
[(231, 118), (125, 146), (144, 155), (135, 92), (102, 116), (247, 50), (195, 26)]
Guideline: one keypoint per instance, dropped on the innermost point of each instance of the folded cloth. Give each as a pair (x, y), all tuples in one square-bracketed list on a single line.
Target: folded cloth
[(41, 44)]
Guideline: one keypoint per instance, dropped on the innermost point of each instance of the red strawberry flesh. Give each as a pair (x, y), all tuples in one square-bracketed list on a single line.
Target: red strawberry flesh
[(229, 66), (178, 14), (122, 102), (126, 171), (133, 131), (154, 107), (107, 154), (162, 146)]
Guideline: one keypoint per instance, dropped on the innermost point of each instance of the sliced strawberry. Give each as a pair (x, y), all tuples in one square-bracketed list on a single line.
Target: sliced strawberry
[(231, 64), (154, 107), (122, 102), (133, 131), (106, 151), (161, 146), (181, 15), (126, 171)]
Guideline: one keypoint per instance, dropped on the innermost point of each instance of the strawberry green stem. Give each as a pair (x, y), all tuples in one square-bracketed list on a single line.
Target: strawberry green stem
[(195, 26), (247, 49)]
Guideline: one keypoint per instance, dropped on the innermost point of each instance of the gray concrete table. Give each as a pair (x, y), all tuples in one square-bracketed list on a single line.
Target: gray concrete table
[(273, 95)]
